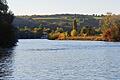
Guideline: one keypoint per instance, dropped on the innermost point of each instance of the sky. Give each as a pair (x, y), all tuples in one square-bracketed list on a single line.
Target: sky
[(45, 7)]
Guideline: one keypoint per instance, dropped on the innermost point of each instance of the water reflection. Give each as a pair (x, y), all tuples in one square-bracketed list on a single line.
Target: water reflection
[(6, 62)]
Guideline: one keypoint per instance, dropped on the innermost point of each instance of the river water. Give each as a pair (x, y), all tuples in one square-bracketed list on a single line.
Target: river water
[(41, 59)]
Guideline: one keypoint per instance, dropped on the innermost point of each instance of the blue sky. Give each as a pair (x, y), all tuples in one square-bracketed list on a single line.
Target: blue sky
[(30, 7)]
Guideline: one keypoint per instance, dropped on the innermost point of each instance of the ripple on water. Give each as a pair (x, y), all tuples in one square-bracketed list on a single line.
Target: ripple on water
[(62, 60)]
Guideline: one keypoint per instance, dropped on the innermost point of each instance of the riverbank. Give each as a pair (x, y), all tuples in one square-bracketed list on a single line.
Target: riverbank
[(90, 38)]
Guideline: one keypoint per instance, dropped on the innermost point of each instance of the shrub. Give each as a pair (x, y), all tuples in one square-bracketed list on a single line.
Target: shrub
[(62, 36), (53, 36), (74, 32)]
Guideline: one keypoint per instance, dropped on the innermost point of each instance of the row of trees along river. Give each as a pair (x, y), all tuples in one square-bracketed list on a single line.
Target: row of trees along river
[(108, 30)]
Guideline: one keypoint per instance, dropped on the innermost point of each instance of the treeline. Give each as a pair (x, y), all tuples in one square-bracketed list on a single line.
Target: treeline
[(61, 15), (109, 30), (42, 32), (61, 34), (32, 32), (37, 32)]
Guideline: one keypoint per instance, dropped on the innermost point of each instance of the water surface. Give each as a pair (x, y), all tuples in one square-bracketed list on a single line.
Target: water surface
[(61, 60)]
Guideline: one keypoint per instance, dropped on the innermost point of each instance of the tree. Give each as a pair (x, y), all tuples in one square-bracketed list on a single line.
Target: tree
[(74, 28), (75, 24), (111, 27), (106, 22), (7, 31)]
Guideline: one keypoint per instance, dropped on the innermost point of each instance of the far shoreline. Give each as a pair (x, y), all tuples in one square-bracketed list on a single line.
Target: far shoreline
[(84, 38), (77, 38)]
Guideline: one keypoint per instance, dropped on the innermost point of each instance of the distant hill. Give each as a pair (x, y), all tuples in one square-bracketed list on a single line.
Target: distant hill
[(57, 20), (21, 22)]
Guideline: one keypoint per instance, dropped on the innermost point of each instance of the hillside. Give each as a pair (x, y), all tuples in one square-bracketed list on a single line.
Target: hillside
[(21, 22), (57, 20)]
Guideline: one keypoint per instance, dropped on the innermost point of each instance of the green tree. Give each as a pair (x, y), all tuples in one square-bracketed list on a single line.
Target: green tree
[(7, 31), (75, 24), (74, 28)]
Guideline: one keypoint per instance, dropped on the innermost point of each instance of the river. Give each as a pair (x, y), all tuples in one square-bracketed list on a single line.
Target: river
[(41, 59)]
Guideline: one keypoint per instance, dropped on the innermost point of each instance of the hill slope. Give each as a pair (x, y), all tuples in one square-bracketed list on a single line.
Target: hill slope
[(58, 20)]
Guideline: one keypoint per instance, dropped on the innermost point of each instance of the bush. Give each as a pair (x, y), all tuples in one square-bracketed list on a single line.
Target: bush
[(62, 36), (74, 32), (107, 35), (53, 36)]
